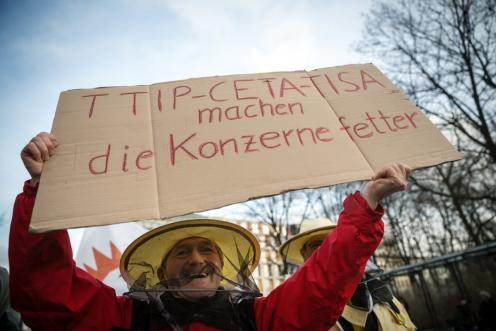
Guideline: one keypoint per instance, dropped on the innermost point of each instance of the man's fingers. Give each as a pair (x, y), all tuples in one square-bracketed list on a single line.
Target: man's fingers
[(36, 152), (42, 147), (46, 139), (404, 169), (51, 137), (50, 142), (393, 177), (31, 150), (393, 183), (395, 169), (386, 181), (383, 173)]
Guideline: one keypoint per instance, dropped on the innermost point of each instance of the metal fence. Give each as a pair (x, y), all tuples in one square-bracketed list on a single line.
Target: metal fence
[(445, 291)]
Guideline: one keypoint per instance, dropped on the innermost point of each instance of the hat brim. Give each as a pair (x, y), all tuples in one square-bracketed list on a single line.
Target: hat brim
[(291, 249), (143, 257), (354, 315)]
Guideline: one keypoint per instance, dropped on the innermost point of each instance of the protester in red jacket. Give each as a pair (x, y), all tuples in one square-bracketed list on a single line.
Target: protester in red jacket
[(52, 293), (372, 306)]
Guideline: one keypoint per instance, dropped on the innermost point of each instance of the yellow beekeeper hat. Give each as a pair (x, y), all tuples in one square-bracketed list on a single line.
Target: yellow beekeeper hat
[(143, 257), (309, 228)]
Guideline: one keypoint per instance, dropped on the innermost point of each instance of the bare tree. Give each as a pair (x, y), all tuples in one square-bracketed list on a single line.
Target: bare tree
[(278, 212), (443, 54), (328, 201)]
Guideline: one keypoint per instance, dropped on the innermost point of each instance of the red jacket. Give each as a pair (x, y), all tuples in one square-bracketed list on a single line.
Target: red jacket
[(52, 293)]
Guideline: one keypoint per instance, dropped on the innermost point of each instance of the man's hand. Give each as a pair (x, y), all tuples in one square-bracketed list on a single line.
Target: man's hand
[(36, 152), (388, 180)]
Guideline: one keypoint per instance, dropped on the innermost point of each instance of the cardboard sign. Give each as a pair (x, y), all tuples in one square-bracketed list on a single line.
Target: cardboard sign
[(167, 149)]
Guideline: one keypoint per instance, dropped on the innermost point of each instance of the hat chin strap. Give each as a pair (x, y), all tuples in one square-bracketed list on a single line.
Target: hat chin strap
[(174, 284)]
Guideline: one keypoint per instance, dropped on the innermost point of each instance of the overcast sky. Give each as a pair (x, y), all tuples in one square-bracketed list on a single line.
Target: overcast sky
[(52, 46)]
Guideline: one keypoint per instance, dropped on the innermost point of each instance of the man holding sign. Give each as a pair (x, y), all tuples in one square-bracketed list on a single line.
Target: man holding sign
[(186, 274)]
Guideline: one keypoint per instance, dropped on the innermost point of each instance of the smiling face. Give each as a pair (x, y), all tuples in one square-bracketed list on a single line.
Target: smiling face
[(193, 263)]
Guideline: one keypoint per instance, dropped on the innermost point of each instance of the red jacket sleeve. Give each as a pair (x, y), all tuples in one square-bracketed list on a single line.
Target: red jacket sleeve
[(47, 288), (315, 296)]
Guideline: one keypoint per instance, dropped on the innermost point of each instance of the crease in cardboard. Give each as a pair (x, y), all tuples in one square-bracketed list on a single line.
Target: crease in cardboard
[(337, 117)]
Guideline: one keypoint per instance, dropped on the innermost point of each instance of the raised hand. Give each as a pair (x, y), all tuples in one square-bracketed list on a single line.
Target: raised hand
[(388, 180), (36, 152)]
